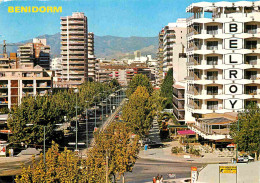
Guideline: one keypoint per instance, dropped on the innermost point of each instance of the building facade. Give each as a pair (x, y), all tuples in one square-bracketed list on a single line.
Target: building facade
[(91, 57), (37, 52), (15, 83), (74, 49), (174, 38), (223, 58)]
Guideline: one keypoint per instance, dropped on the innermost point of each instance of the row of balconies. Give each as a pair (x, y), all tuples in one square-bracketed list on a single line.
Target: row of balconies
[(248, 90), (213, 105)]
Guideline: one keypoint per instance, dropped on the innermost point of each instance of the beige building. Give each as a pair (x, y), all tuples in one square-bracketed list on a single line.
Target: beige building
[(24, 80), (172, 42), (37, 52), (160, 57), (74, 49)]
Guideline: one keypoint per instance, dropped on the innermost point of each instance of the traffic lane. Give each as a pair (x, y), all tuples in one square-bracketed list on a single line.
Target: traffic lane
[(144, 170)]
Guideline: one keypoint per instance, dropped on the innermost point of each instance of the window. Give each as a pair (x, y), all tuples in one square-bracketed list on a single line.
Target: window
[(251, 90), (212, 45), (212, 60), (251, 60), (213, 75), (250, 75), (251, 29), (212, 90), (212, 105), (251, 44), (212, 29)]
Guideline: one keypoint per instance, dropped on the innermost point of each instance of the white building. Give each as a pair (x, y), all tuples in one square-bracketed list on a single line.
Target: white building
[(56, 66), (223, 58), (174, 41)]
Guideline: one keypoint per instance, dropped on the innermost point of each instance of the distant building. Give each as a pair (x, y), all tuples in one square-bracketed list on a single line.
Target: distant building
[(74, 49), (174, 41), (160, 57), (137, 54), (109, 69), (56, 66), (91, 57), (37, 52)]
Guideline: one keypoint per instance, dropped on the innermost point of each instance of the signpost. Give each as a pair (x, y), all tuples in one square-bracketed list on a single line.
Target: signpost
[(228, 169), (194, 174)]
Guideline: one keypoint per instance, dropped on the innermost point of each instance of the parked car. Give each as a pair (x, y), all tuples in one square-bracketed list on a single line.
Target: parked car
[(243, 159), (152, 144)]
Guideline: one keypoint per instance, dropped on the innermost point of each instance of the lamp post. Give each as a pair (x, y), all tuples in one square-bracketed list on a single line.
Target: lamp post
[(237, 142), (110, 105), (76, 91), (106, 105), (102, 111), (87, 125), (44, 139)]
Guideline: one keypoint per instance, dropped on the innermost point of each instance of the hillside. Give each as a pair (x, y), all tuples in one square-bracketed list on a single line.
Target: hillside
[(106, 46)]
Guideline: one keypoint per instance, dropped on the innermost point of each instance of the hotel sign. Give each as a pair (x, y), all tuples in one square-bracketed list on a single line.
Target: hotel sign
[(233, 74)]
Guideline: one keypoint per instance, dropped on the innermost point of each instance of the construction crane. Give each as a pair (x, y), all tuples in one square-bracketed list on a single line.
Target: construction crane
[(10, 44)]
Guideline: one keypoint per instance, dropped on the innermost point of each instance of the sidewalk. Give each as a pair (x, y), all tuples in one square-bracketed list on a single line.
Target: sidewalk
[(164, 154)]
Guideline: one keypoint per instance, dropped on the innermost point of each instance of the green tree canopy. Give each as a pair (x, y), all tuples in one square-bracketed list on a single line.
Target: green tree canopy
[(59, 167), (167, 90), (137, 112), (139, 80), (49, 110), (246, 132)]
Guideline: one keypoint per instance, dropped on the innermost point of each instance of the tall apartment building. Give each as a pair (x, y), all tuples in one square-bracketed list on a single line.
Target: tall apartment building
[(172, 53), (74, 49), (223, 60), (160, 57), (37, 52), (91, 57), (174, 38)]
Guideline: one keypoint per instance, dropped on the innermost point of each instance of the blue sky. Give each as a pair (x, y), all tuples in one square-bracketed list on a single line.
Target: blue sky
[(106, 17)]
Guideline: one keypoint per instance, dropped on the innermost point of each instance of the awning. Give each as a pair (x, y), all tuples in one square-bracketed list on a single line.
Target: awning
[(186, 132), (5, 131), (178, 86), (231, 145)]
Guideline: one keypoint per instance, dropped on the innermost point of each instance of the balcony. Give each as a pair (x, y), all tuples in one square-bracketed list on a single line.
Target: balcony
[(212, 77), (252, 31), (212, 32), (212, 107), (212, 47)]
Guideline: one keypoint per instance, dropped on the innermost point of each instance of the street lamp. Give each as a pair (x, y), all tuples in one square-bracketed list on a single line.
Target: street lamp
[(87, 125), (44, 139), (76, 92)]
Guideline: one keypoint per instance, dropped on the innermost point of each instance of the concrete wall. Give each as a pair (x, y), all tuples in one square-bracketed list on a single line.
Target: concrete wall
[(246, 173)]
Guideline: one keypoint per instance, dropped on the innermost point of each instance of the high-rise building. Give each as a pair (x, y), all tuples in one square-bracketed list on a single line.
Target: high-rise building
[(91, 57), (174, 38), (223, 62), (160, 57), (36, 53), (74, 49)]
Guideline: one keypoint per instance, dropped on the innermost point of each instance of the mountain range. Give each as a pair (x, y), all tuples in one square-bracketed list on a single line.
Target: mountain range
[(110, 47)]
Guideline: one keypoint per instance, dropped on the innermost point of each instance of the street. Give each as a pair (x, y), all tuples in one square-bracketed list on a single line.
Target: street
[(144, 170)]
